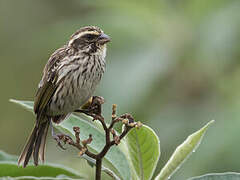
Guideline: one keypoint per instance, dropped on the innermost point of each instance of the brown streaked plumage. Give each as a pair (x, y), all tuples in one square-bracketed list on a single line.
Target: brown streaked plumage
[(69, 80)]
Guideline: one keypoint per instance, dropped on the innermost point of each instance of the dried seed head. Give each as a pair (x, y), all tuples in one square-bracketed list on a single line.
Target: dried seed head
[(87, 141), (116, 140), (114, 111), (76, 129), (125, 121), (97, 100), (133, 124), (138, 124)]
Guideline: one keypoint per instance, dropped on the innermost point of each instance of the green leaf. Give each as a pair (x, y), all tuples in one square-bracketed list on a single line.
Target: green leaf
[(7, 157), (115, 158), (144, 151), (182, 152), (104, 169), (11, 169), (218, 176), (37, 178)]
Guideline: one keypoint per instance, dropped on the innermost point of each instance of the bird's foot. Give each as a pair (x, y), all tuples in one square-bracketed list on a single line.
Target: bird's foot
[(62, 137), (93, 108)]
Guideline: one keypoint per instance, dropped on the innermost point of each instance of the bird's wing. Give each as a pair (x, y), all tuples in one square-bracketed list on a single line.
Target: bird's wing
[(43, 96), (48, 84)]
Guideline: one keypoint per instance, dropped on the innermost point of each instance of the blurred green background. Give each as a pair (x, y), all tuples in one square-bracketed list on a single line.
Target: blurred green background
[(173, 64)]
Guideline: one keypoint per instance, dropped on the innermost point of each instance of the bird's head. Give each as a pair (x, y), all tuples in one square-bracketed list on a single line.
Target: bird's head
[(89, 39)]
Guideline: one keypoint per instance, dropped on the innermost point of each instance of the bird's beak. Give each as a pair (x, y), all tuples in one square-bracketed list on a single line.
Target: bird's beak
[(103, 39)]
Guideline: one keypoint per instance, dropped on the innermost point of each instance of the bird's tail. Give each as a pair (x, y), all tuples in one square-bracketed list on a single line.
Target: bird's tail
[(35, 145)]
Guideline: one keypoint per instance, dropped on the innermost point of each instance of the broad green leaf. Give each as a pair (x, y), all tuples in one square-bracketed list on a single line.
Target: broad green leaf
[(7, 157), (144, 151), (182, 152), (104, 169), (11, 169), (218, 176), (37, 178), (115, 158)]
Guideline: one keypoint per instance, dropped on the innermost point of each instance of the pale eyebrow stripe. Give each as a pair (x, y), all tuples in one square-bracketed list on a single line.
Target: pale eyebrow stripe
[(82, 34)]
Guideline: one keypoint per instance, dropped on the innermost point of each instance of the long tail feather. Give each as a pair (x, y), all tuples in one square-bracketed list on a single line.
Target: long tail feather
[(41, 137), (43, 144), (35, 144), (28, 148)]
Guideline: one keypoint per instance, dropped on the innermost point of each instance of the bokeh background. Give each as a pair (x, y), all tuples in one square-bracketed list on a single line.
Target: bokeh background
[(173, 64)]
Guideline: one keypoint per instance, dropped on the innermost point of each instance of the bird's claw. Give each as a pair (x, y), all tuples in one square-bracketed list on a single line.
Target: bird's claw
[(62, 137), (94, 109)]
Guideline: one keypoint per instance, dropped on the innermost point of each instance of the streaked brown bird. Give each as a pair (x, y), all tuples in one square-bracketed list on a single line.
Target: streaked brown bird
[(69, 79)]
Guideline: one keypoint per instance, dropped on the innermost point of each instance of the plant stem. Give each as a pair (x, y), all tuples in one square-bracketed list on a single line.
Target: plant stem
[(94, 110), (98, 168)]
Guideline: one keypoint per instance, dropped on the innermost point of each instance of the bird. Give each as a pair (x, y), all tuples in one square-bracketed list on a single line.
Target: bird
[(69, 80)]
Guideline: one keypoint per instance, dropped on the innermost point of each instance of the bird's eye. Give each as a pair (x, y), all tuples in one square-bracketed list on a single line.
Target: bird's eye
[(90, 36)]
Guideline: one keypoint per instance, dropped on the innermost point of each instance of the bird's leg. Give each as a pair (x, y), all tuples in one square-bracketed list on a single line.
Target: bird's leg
[(93, 108), (59, 137), (56, 137)]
